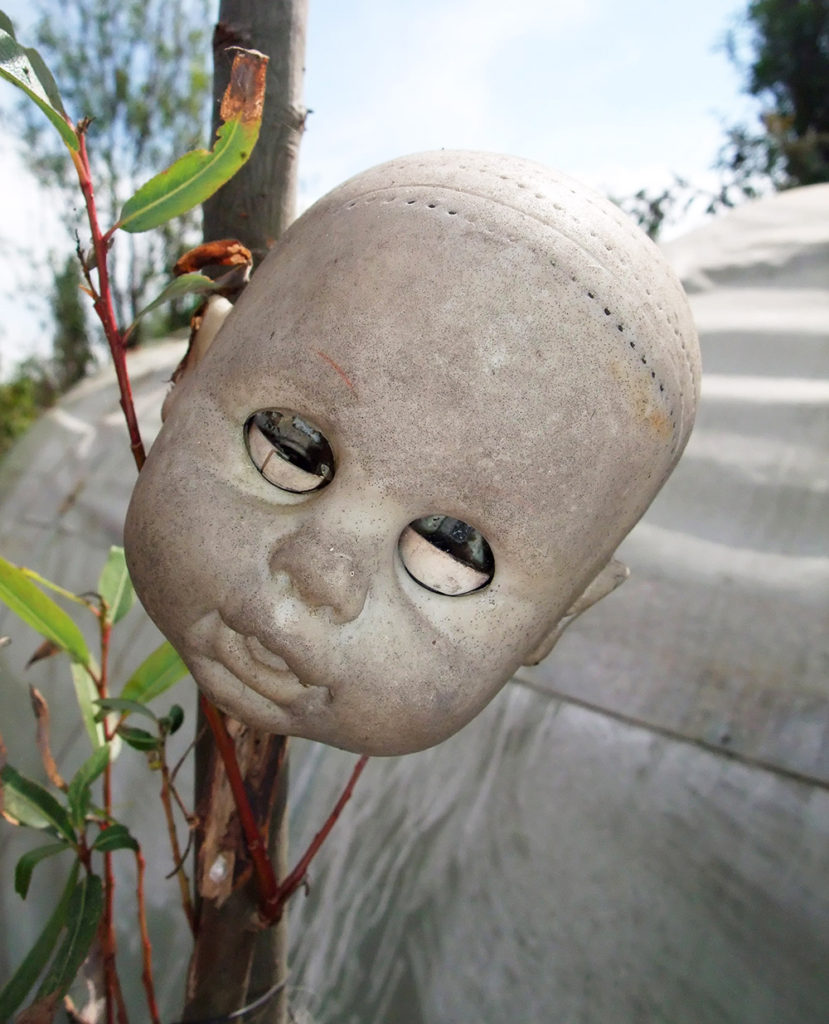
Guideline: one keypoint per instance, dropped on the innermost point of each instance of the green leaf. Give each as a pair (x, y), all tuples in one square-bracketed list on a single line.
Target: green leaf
[(40, 612), (25, 68), (197, 175), (26, 802), (115, 586), (43, 582), (186, 284), (29, 861), (86, 693), (140, 739), (78, 794), (14, 992), (156, 674), (173, 720), (85, 908), (108, 704), (116, 837)]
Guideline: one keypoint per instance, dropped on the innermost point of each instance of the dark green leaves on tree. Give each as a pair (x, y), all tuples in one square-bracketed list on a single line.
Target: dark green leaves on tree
[(116, 837), (86, 905), (25, 68), (36, 959), (197, 175), (79, 794), (29, 861), (26, 802)]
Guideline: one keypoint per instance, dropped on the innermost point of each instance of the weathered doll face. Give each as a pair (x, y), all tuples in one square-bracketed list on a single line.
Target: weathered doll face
[(450, 391)]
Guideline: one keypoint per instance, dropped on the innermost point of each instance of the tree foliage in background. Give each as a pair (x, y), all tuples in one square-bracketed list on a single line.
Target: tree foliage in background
[(781, 48), (139, 70), (72, 356)]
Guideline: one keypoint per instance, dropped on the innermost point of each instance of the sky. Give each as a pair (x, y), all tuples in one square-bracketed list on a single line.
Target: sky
[(619, 94)]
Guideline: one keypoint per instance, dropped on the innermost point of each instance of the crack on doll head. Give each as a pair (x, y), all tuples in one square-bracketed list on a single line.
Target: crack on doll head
[(407, 460)]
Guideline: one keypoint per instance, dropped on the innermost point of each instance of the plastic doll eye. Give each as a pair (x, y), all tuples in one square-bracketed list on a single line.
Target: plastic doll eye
[(289, 452), (446, 555)]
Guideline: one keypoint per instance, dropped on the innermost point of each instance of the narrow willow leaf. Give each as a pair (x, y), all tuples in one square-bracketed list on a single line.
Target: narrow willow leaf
[(25, 68), (115, 586), (14, 992), (116, 837), (85, 908), (29, 861), (187, 284), (26, 802), (78, 795), (40, 612), (108, 704), (197, 175), (55, 587), (87, 694), (140, 739), (156, 674)]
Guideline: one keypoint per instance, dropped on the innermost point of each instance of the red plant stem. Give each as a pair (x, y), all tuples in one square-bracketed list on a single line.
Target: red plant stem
[(263, 869), (146, 947), (295, 879), (103, 300), (113, 992)]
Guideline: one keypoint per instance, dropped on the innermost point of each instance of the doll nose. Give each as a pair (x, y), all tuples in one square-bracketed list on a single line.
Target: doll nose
[(324, 573)]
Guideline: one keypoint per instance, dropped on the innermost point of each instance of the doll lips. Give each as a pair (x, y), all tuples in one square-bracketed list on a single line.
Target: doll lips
[(255, 665), (265, 656)]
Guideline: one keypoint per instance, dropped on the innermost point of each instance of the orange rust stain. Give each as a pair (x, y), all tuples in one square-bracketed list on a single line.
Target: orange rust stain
[(339, 369), (658, 421)]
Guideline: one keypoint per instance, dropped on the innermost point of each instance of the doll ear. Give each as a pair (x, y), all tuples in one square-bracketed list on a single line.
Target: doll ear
[(613, 575), (204, 326)]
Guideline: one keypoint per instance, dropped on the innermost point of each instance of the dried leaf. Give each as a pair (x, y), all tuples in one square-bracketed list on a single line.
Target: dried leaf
[(226, 252), (45, 650), (41, 710)]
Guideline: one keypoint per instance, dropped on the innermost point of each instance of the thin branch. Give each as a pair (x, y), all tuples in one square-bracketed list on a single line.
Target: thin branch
[(146, 947), (295, 879), (103, 299), (178, 858)]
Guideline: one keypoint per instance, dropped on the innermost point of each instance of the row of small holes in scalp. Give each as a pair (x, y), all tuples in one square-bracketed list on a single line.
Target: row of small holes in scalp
[(573, 277), (635, 236)]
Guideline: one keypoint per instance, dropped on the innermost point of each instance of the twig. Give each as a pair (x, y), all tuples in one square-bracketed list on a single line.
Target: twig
[(263, 869), (146, 948), (295, 879), (102, 298), (178, 859)]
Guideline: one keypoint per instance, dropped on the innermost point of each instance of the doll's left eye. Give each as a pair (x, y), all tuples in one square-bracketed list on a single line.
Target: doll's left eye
[(289, 451), (446, 555)]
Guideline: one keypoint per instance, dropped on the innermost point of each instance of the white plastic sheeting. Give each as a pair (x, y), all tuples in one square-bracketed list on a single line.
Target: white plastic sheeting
[(635, 831)]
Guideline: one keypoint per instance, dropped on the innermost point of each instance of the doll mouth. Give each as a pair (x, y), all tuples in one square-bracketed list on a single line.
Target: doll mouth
[(255, 665)]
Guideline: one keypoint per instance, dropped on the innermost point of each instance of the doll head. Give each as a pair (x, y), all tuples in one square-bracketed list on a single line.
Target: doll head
[(452, 388)]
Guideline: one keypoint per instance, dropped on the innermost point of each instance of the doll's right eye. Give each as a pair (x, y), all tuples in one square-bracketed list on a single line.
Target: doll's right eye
[(289, 451), (446, 555)]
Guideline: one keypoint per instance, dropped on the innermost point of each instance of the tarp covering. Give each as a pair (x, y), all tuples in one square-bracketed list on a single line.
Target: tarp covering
[(636, 830)]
